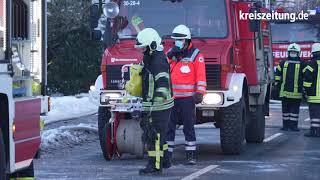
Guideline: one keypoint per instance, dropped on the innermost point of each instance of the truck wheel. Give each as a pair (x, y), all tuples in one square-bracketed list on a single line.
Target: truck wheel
[(256, 126), (104, 132), (2, 158), (232, 130)]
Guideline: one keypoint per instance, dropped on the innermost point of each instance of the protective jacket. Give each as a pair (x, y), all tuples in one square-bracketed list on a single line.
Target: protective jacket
[(289, 77), (188, 73), (156, 86), (311, 81)]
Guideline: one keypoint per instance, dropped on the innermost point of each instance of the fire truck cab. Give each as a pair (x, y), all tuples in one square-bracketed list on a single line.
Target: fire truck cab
[(237, 55), (22, 84)]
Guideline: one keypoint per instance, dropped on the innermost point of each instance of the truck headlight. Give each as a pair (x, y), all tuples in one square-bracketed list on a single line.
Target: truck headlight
[(213, 98), (105, 96)]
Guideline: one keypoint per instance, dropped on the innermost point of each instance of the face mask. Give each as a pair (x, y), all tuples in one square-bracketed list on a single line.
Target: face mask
[(293, 54), (179, 44)]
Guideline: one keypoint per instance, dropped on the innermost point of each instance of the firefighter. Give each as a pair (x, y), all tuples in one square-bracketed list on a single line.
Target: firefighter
[(311, 85), (157, 98), (289, 80), (189, 85)]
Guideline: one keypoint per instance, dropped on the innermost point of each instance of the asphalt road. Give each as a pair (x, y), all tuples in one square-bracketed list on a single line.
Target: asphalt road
[(284, 155)]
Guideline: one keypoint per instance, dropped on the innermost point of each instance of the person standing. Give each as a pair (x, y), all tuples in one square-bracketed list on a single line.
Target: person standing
[(289, 80), (188, 77), (311, 85), (157, 98)]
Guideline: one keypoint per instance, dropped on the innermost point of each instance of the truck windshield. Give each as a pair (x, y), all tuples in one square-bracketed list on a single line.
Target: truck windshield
[(295, 32), (205, 18)]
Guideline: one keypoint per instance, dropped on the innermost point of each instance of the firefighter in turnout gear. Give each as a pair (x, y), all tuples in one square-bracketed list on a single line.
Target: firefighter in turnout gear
[(311, 85), (289, 80), (157, 98), (189, 85)]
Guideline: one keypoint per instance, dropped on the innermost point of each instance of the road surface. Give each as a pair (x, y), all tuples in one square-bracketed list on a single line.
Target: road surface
[(283, 155)]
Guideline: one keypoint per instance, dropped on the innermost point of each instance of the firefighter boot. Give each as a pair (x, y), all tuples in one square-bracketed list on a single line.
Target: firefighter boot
[(285, 126), (313, 132), (191, 159), (167, 160), (150, 169), (294, 126)]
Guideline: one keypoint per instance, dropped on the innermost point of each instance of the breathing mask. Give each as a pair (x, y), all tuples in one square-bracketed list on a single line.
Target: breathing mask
[(179, 44)]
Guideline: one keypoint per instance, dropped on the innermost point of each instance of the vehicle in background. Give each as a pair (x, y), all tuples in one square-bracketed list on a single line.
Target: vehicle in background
[(304, 33), (237, 54), (22, 84)]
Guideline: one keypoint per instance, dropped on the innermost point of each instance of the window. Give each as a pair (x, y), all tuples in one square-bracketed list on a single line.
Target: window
[(20, 20), (205, 18), (295, 32)]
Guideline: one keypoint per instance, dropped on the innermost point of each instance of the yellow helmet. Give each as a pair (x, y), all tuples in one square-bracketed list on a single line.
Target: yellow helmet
[(294, 47), (315, 48), (148, 37)]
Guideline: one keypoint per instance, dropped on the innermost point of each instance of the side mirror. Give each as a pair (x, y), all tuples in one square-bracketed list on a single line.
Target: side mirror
[(254, 25), (94, 15)]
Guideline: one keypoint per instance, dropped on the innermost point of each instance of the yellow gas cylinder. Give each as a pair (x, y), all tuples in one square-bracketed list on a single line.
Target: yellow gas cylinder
[(134, 86)]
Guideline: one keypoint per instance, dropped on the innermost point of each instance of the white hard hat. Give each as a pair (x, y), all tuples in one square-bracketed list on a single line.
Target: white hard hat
[(181, 32), (315, 48), (148, 37), (294, 47)]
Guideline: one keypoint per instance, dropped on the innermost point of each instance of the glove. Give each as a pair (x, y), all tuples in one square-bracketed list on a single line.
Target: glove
[(197, 97), (175, 51)]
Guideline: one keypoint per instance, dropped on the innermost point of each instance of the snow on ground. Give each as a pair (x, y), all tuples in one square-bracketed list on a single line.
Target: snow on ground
[(69, 107), (67, 136)]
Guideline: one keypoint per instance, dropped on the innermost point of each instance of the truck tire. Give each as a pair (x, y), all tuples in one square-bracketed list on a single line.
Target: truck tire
[(255, 129), (104, 131), (2, 158), (232, 128)]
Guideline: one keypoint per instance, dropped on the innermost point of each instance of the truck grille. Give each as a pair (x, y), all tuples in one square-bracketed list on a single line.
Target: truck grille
[(114, 77), (213, 73)]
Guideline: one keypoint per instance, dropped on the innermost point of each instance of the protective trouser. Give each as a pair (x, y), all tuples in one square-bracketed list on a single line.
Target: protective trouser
[(290, 112), (157, 146), (314, 111), (184, 110)]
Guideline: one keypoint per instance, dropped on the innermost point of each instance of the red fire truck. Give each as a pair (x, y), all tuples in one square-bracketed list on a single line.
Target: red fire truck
[(22, 69), (304, 33), (237, 56)]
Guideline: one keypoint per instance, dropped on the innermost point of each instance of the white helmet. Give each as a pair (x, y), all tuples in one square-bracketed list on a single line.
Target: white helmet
[(148, 37), (315, 48), (294, 47), (181, 32)]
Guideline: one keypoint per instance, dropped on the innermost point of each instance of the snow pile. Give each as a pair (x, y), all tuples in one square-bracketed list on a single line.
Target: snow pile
[(69, 107), (67, 136)]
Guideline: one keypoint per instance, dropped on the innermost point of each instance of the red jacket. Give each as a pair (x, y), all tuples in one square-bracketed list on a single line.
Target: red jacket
[(188, 73)]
